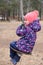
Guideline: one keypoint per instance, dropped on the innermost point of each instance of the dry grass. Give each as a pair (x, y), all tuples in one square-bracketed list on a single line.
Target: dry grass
[(8, 34)]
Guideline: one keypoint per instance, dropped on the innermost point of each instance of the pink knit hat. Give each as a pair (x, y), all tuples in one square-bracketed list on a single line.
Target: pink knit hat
[(31, 16)]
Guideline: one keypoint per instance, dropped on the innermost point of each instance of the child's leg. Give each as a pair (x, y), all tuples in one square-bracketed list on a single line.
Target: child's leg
[(15, 59), (12, 53), (14, 56)]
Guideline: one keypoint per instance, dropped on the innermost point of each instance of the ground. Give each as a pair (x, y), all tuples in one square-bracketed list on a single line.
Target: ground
[(8, 34)]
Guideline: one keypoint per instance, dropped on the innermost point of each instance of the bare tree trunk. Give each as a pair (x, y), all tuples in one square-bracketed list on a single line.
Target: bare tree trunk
[(8, 15), (13, 14), (28, 6)]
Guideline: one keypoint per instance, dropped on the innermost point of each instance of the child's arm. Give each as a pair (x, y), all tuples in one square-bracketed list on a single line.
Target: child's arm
[(21, 30), (36, 26)]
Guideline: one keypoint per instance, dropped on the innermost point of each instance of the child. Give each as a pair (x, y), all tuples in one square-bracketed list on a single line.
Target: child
[(27, 31)]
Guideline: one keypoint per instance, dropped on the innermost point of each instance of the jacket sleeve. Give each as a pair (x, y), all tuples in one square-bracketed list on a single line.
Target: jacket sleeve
[(21, 30), (36, 26)]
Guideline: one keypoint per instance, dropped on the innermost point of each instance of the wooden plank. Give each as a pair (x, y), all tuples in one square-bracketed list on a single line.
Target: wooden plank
[(20, 51)]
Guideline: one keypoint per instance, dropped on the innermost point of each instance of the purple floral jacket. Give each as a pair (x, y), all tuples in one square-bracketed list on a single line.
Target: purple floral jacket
[(28, 36)]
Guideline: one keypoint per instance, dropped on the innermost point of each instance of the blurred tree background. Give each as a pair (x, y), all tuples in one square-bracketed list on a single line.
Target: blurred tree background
[(10, 9)]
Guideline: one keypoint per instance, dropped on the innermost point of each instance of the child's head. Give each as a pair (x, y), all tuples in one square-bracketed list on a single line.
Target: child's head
[(31, 16)]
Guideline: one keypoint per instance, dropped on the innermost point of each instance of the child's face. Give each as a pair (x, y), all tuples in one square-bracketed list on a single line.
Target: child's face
[(26, 22)]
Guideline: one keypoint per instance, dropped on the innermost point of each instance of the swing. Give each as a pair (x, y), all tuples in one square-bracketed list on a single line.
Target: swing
[(20, 52), (14, 50), (21, 9)]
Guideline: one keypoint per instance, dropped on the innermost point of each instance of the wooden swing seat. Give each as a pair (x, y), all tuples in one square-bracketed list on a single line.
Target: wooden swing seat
[(20, 51)]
